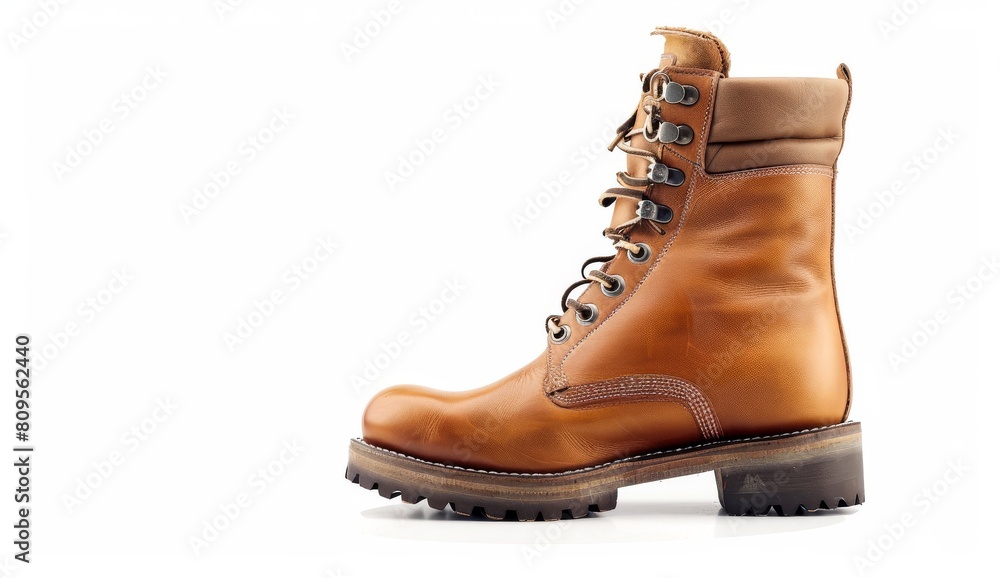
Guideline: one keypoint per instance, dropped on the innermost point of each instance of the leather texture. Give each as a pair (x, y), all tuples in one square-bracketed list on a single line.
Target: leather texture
[(730, 329), (692, 49), (766, 122)]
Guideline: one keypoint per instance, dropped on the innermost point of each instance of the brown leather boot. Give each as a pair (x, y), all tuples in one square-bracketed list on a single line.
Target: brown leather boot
[(710, 340)]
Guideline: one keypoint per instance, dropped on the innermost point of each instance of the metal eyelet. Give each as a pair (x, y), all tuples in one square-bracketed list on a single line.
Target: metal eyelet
[(657, 172), (562, 335), (691, 95), (649, 210), (617, 287), (669, 132), (591, 315), (684, 135), (662, 174), (643, 256), (673, 92)]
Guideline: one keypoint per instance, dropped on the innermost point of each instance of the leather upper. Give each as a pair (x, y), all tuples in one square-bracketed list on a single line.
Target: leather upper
[(730, 329), (769, 122)]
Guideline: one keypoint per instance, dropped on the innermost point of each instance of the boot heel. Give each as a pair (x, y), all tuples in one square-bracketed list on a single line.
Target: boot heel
[(796, 479)]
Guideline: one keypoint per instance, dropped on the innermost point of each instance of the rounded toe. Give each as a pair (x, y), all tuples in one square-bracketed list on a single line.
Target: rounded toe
[(397, 417)]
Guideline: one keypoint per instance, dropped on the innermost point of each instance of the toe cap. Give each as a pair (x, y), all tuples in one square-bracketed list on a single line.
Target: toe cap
[(398, 418)]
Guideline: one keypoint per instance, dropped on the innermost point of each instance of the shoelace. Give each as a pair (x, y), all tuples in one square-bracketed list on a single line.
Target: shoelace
[(657, 84)]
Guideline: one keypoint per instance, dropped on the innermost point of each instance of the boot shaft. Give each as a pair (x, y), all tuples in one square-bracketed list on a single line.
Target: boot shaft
[(738, 299), (762, 122)]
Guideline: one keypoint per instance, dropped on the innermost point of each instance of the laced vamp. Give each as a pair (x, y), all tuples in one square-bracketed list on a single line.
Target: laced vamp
[(657, 84)]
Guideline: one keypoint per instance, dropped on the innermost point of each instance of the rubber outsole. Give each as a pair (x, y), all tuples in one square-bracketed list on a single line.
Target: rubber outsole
[(792, 474)]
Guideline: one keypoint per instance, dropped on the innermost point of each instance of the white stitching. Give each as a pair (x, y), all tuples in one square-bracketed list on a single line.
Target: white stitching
[(606, 464), (771, 171)]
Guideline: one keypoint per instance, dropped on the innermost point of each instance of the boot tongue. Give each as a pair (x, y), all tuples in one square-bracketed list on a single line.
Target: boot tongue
[(683, 48), (693, 49)]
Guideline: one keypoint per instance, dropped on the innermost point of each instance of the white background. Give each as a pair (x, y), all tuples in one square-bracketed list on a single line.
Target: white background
[(564, 73)]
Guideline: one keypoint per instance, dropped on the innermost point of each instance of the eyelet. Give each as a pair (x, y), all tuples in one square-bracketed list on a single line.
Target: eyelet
[(617, 289), (667, 132), (591, 316), (684, 135), (643, 255), (662, 174), (691, 95), (673, 92), (562, 335), (649, 210)]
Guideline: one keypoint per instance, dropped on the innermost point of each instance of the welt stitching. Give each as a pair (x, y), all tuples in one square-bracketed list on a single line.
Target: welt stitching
[(708, 444)]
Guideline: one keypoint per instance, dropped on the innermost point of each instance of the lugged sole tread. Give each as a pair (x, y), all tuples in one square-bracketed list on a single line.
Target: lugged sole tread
[(485, 511), (789, 474)]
